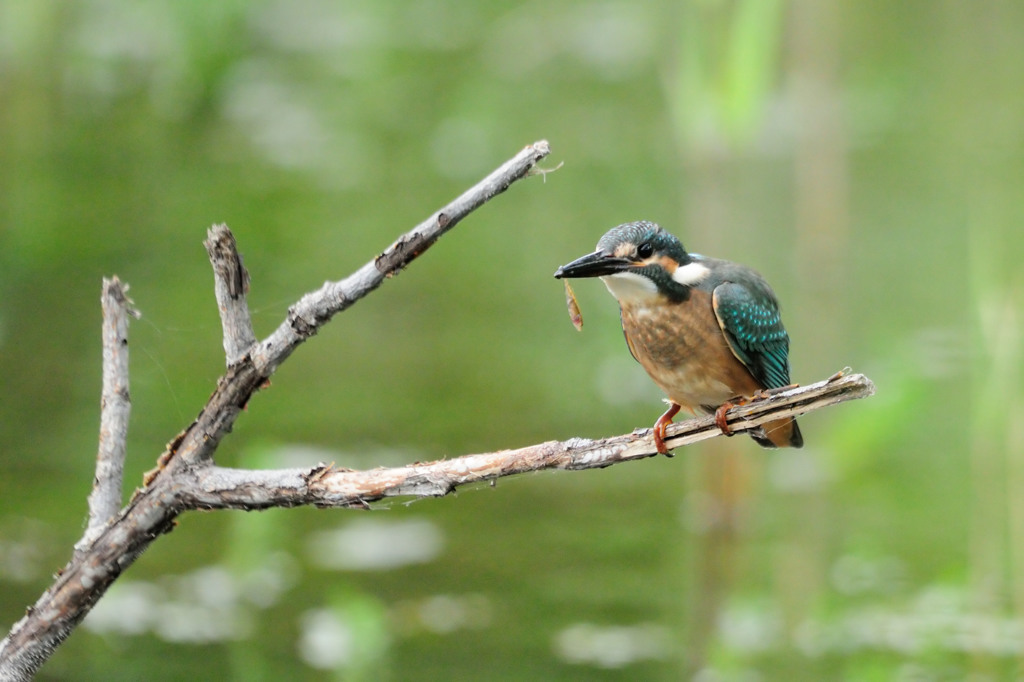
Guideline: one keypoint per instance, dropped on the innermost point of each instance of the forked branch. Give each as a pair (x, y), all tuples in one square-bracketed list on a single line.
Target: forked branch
[(112, 545)]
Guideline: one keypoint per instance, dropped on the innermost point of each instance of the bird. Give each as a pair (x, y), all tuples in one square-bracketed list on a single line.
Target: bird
[(707, 331)]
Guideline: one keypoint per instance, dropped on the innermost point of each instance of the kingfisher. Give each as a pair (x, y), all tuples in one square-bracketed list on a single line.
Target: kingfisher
[(707, 331)]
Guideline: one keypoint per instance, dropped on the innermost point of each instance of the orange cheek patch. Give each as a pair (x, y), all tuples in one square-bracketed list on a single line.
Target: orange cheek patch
[(667, 263)]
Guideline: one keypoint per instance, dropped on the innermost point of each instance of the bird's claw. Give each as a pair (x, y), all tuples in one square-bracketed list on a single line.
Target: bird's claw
[(660, 428), (721, 421), (659, 440)]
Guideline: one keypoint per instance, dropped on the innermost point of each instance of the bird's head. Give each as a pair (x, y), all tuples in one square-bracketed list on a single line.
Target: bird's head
[(640, 262)]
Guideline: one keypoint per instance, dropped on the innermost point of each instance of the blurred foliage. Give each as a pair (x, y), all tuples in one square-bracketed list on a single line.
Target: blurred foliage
[(865, 156)]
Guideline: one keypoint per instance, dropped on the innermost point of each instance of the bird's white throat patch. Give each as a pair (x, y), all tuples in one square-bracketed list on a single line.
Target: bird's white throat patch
[(629, 287), (690, 274)]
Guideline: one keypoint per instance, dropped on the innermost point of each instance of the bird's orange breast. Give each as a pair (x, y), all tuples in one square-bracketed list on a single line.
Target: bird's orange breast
[(684, 350)]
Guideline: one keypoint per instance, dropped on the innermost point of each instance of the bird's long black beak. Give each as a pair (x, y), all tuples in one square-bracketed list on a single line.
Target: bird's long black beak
[(595, 264)]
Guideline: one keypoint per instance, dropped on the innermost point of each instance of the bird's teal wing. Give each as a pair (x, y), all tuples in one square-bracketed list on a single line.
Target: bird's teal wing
[(753, 328)]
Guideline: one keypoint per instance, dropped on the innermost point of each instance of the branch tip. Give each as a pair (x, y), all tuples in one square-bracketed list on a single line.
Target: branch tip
[(115, 409), (231, 284)]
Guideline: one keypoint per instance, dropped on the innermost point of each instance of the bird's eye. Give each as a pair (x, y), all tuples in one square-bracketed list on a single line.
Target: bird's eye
[(645, 250)]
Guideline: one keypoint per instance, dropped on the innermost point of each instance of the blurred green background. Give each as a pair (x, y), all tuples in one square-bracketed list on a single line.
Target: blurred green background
[(867, 157)]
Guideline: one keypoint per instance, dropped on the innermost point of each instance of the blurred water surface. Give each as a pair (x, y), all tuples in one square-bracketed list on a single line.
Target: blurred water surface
[(866, 157)]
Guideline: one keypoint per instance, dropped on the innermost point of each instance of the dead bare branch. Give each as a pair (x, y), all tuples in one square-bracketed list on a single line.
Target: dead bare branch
[(115, 408), (324, 486), (231, 284)]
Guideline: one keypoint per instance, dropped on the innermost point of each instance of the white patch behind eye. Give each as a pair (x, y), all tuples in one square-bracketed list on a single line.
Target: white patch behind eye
[(630, 287), (690, 274)]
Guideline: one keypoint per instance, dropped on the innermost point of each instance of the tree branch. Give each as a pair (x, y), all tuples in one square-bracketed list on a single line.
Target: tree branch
[(115, 407), (152, 510), (324, 485), (231, 284), (315, 308)]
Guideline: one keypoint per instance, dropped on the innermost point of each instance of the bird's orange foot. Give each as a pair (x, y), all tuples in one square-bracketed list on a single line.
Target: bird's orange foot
[(721, 421), (661, 425)]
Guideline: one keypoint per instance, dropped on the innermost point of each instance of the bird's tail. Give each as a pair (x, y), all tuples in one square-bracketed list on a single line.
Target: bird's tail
[(783, 433)]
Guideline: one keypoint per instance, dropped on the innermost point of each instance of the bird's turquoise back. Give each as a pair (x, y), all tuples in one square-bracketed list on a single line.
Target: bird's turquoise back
[(748, 313)]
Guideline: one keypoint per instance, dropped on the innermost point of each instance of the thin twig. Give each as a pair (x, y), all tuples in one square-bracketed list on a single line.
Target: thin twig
[(325, 486), (315, 308), (231, 284), (115, 408)]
